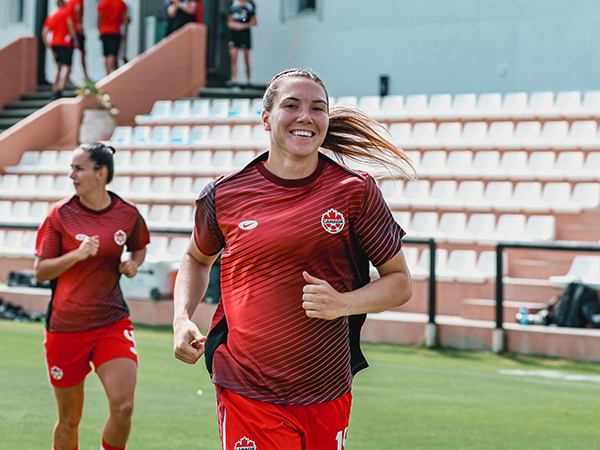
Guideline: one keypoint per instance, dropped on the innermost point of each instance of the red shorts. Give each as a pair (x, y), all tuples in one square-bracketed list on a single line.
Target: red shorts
[(249, 424), (68, 355)]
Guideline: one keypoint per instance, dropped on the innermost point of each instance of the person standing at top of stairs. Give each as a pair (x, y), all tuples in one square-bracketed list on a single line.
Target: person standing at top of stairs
[(60, 24)]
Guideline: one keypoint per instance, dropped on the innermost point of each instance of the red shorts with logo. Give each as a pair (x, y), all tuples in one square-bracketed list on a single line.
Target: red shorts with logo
[(247, 424), (68, 355)]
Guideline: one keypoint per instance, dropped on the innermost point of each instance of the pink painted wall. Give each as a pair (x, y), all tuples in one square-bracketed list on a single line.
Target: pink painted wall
[(18, 69), (174, 68)]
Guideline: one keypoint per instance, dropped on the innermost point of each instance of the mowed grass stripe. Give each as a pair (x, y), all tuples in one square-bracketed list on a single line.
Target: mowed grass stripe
[(410, 398)]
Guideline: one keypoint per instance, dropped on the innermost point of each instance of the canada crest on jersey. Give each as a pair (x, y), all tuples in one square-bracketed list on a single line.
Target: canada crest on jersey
[(120, 237), (333, 221), (245, 444)]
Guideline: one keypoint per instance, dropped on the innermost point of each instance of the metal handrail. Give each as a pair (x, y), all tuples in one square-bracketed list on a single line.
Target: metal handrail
[(500, 246)]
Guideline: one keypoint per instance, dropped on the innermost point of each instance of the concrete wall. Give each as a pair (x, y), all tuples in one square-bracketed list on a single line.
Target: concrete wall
[(425, 46), (435, 46)]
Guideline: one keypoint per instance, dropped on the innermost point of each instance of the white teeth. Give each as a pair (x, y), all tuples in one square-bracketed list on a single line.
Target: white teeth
[(302, 133)]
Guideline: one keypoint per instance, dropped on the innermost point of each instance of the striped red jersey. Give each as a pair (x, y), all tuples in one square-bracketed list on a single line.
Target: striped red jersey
[(88, 296), (330, 224)]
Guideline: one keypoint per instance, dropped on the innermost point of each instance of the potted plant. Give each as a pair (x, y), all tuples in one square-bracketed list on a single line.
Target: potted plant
[(99, 122)]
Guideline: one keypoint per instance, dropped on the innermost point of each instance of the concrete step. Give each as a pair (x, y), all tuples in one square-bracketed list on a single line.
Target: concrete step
[(386, 327), (37, 104), (485, 309), (17, 113), (232, 92)]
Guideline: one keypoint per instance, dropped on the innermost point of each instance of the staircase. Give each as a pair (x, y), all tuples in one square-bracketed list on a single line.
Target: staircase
[(28, 103)]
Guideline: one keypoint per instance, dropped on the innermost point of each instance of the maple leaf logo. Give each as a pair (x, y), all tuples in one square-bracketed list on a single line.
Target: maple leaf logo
[(245, 444), (333, 221)]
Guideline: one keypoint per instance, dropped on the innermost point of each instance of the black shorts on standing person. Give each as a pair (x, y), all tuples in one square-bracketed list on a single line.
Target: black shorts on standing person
[(64, 55), (111, 43), (81, 41), (240, 39)]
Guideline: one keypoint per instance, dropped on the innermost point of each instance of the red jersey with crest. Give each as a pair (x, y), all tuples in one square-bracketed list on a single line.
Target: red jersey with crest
[(330, 224), (88, 296)]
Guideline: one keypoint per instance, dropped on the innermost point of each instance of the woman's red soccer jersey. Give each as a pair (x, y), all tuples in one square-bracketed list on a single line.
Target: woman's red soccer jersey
[(330, 224), (88, 296)]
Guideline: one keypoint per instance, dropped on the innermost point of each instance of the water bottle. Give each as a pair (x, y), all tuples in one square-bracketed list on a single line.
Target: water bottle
[(522, 316)]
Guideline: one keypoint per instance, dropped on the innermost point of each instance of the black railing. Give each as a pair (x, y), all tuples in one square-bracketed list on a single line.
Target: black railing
[(432, 280), (556, 246), (407, 240)]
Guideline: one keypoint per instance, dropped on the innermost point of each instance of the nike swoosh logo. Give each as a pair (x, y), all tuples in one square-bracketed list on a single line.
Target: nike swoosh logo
[(248, 224)]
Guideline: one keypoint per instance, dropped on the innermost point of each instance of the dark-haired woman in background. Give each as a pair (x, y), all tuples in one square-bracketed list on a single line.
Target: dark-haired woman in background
[(79, 248)]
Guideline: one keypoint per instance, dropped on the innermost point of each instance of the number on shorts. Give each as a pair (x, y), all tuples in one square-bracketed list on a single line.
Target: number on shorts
[(341, 439)]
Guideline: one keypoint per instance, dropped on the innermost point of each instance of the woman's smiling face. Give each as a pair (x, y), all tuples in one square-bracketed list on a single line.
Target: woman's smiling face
[(299, 118)]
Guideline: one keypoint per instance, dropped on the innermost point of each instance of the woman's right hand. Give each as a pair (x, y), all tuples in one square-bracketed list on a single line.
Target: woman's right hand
[(89, 247), (188, 341)]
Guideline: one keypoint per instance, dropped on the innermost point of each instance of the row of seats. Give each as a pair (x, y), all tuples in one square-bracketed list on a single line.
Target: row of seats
[(17, 243), (478, 228), (202, 110), (35, 187), (500, 196), (512, 165), (467, 266), (240, 137), (48, 188), (501, 135), (456, 265), (23, 213), (156, 162), (145, 189), (498, 135), (569, 105), (21, 244)]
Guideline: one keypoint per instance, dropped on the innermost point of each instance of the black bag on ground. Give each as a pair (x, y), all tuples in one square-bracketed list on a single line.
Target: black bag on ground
[(570, 308), (591, 312)]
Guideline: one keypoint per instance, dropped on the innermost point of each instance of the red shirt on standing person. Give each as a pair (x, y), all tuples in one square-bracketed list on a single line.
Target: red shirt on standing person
[(72, 7), (112, 12), (57, 23)]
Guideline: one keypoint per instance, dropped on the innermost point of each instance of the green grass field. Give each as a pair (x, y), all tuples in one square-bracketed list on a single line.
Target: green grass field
[(410, 398)]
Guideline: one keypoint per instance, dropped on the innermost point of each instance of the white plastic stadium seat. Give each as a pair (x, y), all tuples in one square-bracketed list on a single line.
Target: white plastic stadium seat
[(181, 111), (584, 135), (584, 268), (451, 224), (541, 228), (471, 196), (587, 195), (121, 137), (424, 224), (443, 193), (417, 193), (459, 262), (161, 111), (477, 225), (510, 227), (485, 268), (558, 197)]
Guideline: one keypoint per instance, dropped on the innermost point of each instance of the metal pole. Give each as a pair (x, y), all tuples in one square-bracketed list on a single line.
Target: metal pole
[(499, 286), (498, 338), (432, 281)]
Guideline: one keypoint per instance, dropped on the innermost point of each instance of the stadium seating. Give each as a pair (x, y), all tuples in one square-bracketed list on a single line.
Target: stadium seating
[(491, 167)]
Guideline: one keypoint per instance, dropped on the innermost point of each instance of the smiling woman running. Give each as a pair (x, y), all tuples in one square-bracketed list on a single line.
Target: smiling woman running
[(297, 231), (79, 248)]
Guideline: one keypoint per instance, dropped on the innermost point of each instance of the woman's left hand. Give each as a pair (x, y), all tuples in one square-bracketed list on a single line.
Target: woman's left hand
[(320, 300), (128, 268)]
